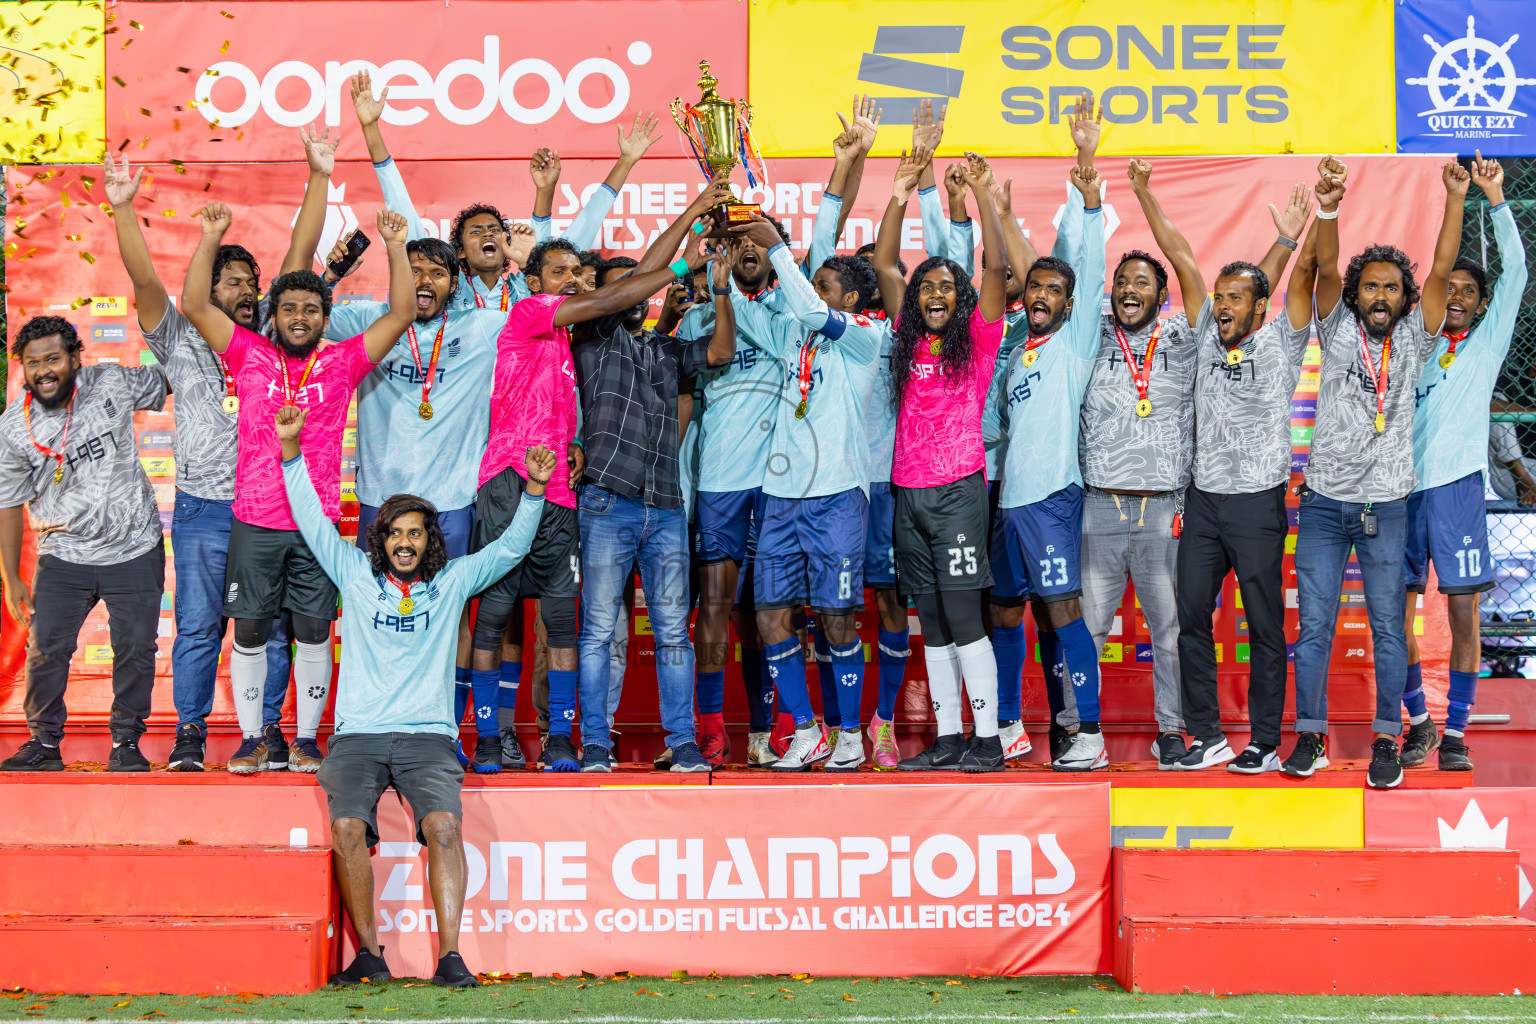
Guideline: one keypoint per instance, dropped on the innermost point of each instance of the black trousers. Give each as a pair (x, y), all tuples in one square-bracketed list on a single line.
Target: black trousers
[(1224, 533), (63, 594)]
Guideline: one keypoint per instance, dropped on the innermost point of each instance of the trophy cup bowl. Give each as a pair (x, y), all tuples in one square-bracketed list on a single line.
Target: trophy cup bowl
[(714, 127)]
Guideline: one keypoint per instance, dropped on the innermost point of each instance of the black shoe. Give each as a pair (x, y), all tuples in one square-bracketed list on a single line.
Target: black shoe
[(560, 754), (1204, 753), (1168, 748), (944, 756), (1061, 741), (126, 757), (983, 754), (187, 754), (1309, 755), (277, 749), (34, 757), (366, 967), (686, 758), (1419, 743), (594, 758), (512, 757), (488, 754), (1385, 772), (451, 973), (1455, 755), (1256, 759)]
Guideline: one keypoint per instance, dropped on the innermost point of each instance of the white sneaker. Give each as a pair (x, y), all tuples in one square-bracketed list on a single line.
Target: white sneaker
[(1085, 754), (759, 752), (1204, 755), (849, 753), (1015, 741), (808, 747)]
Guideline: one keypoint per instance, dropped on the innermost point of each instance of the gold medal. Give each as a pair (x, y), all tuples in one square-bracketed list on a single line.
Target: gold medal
[(425, 408), (1381, 422), (231, 404), (1029, 357), (1234, 356), (406, 605), (1144, 408), (58, 475), (935, 346), (1446, 360), (800, 410)]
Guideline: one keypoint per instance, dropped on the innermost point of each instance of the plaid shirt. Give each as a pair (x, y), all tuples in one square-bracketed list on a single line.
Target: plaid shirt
[(629, 386)]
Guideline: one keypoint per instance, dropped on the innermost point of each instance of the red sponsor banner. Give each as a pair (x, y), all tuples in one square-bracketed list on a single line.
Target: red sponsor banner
[(770, 880), (1458, 819), (467, 80)]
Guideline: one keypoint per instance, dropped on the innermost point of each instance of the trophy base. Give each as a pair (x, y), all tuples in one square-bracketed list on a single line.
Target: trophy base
[(729, 215)]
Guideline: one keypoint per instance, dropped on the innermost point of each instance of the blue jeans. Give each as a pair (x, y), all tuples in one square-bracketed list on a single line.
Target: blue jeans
[(200, 547), (617, 532), (1327, 531)]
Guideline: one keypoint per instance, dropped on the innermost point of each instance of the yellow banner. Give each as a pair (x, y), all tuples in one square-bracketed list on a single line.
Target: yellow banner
[(52, 89), (1315, 818), (1176, 77)]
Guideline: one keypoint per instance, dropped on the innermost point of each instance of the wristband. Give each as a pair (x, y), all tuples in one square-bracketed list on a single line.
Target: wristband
[(1289, 243), (721, 291), (679, 269), (1323, 215)]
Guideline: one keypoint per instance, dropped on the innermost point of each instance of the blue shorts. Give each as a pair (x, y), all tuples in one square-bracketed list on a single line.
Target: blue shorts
[(1010, 585), (728, 523), (810, 552), (456, 526), (1041, 546), (879, 545), (1448, 525)]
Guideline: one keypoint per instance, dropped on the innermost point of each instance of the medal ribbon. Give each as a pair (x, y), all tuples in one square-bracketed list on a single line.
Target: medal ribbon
[(506, 294), (289, 398), (1141, 378), (1378, 380), (405, 591), (1032, 343), (1014, 307), (49, 453), (229, 376), (431, 370), (1456, 339), (807, 357)]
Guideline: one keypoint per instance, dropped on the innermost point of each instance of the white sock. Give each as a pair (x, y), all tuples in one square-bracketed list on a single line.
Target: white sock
[(312, 679), (248, 678), (979, 669), (1418, 719), (944, 687)]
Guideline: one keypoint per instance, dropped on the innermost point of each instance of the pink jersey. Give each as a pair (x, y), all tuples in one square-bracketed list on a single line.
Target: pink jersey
[(533, 399), (938, 426), (261, 499)]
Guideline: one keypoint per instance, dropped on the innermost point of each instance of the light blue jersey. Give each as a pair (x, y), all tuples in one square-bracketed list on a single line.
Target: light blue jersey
[(398, 452), (1450, 420), (880, 417), (1043, 401), (397, 667), (951, 239), (587, 228), (826, 451), (992, 434)]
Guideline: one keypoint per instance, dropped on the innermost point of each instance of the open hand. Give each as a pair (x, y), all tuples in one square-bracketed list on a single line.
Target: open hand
[(1086, 123), (908, 171), (520, 242), (927, 131), (1293, 218), (642, 135), (120, 185), (368, 106), (320, 149)]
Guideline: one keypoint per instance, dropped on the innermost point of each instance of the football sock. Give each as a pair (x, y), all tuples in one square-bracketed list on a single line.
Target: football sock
[(1008, 649), (978, 669), (312, 679), (894, 650)]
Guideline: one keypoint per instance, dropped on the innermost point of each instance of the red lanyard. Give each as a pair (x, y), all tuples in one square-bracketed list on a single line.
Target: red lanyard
[(1450, 357), (406, 604), (425, 408), (49, 453), (1014, 307), (231, 400), (1378, 380), (935, 344), (291, 397), (1030, 344), (807, 357), (1142, 378), (506, 293)]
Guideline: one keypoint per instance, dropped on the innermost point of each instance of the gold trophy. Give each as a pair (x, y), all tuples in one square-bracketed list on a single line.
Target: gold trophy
[(719, 131)]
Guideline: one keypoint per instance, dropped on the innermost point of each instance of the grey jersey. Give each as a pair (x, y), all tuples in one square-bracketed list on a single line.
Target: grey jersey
[(1350, 460), (205, 433), (1243, 410), (1121, 451), (103, 510)]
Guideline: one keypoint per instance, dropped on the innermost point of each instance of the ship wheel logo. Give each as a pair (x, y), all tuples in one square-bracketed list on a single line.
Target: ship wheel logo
[(1471, 74)]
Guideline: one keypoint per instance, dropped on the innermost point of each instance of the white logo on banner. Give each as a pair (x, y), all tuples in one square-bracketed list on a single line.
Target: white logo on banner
[(340, 221), (1473, 832), (1472, 85)]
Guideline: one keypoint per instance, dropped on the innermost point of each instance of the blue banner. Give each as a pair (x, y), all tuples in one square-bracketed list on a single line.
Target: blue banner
[(1466, 76)]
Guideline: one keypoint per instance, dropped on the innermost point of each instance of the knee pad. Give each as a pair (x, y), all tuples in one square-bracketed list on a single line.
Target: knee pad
[(252, 633), (310, 631), (559, 620), (490, 624)]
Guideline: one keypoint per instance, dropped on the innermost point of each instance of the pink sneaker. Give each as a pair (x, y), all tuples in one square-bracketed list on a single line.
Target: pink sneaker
[(884, 735)]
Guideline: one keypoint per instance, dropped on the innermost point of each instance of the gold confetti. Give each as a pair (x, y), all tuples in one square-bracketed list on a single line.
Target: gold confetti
[(179, 167), (226, 14), (145, 112), (225, 47), (120, 82), (87, 256), (136, 25), (126, 43), (168, 213), (64, 198), (73, 238)]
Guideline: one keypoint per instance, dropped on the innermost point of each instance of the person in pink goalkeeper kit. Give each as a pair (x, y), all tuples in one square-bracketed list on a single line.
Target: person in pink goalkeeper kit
[(947, 334), (271, 571)]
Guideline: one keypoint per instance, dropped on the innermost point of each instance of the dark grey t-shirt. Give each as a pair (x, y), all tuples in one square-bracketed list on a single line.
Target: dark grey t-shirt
[(205, 433)]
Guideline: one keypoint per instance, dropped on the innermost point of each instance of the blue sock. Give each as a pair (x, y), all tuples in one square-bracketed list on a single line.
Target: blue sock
[(1050, 664), (894, 651), (754, 679), (1463, 694), (1008, 649), (848, 672), (511, 676), (562, 702), (786, 666), (1413, 693), (461, 688), (830, 711), (1082, 667), (487, 690), (709, 691)]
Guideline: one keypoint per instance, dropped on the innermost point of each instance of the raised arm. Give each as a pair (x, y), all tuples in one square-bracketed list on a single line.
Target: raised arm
[(341, 561), (1330, 191), (197, 287), (722, 343), (1436, 291), (888, 242), (994, 279), (664, 248), (1174, 245), (1289, 223), (1086, 124), (866, 123), (1298, 291), (149, 296), (496, 559), (1508, 290), (369, 108), (626, 291), (544, 169), (382, 334), (320, 154)]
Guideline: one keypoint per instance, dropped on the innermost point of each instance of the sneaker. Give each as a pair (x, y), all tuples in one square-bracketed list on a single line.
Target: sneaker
[(365, 967), (488, 754), (1419, 743), (1455, 755), (594, 758), (1061, 741), (1256, 759), (714, 744), (783, 733), (512, 757), (830, 735), (187, 754), (277, 749), (1204, 753), (1015, 741), (849, 752), (1168, 749), (686, 758), (808, 747), (560, 754), (984, 754), (305, 756), (1385, 772), (759, 751), (34, 757), (126, 757), (944, 755), (458, 751), (1309, 754), (452, 973), (662, 762), (883, 733), (249, 758), (1086, 754)]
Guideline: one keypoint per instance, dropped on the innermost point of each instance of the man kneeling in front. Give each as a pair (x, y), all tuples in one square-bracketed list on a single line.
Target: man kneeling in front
[(394, 696)]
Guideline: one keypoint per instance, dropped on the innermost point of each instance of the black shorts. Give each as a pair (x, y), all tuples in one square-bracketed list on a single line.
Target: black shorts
[(422, 766), (273, 571), (941, 537), (553, 565)]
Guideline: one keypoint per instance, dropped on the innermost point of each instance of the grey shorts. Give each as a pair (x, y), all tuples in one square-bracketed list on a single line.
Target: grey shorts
[(422, 766)]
